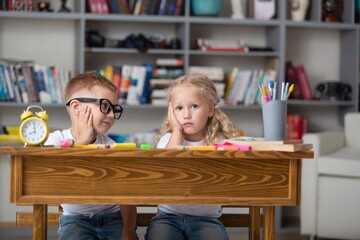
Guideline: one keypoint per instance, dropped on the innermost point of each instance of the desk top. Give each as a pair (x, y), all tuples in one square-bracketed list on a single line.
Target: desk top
[(158, 153)]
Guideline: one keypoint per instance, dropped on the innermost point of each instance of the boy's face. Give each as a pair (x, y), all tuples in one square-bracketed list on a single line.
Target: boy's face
[(102, 122)]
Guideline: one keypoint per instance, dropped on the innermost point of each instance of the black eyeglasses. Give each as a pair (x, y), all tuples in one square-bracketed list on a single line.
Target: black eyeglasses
[(105, 105)]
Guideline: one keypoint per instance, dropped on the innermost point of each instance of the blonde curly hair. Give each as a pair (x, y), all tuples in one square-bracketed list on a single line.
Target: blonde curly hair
[(219, 126)]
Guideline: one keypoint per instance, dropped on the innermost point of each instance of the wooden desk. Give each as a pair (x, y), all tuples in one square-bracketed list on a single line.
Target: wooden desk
[(41, 176)]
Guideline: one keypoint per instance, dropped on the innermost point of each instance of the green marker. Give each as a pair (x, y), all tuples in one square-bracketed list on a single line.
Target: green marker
[(145, 146)]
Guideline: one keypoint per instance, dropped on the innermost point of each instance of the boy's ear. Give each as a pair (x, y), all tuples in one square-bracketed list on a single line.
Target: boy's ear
[(74, 106)]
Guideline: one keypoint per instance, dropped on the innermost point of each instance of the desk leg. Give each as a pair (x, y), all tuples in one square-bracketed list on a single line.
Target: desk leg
[(40, 222), (269, 223), (254, 229)]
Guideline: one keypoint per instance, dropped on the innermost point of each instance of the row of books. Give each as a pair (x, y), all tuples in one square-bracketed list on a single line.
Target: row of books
[(26, 81), (17, 5), (137, 7), (242, 86), (134, 81)]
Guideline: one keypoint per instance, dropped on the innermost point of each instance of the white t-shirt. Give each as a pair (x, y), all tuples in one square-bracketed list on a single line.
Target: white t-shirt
[(82, 209), (191, 210)]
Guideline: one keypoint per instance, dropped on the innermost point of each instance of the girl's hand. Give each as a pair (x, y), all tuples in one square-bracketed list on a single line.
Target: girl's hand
[(177, 137), (85, 126), (173, 122)]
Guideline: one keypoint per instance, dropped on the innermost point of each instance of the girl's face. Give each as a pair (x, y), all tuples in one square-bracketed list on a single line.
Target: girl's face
[(192, 111)]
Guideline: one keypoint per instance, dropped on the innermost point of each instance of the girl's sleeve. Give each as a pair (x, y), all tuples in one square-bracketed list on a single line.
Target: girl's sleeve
[(163, 141)]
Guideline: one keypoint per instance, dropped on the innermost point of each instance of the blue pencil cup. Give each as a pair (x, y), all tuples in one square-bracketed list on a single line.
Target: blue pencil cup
[(206, 7), (274, 120)]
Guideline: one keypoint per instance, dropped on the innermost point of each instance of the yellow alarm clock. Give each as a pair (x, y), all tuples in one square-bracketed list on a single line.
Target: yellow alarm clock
[(34, 130)]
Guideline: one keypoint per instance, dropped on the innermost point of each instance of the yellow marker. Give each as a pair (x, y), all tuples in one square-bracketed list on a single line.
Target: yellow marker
[(124, 145), (291, 88), (199, 148), (84, 146)]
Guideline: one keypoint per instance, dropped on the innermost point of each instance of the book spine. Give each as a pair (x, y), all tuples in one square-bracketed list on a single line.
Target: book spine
[(170, 62), (10, 87), (291, 78), (303, 82), (2, 83), (161, 9), (145, 96), (179, 7)]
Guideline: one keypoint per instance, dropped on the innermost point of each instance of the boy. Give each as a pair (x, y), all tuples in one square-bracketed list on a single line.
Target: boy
[(92, 106)]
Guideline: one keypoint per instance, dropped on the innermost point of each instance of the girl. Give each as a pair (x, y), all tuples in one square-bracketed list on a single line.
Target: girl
[(193, 119)]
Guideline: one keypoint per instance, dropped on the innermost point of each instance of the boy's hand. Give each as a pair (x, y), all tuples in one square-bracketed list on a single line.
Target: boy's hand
[(85, 126)]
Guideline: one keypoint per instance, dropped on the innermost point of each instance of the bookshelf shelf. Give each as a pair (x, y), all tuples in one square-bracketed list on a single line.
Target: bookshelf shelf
[(134, 51), (38, 15)]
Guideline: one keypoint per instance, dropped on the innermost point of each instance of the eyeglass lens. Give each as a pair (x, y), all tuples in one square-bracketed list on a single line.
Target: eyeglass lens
[(106, 106)]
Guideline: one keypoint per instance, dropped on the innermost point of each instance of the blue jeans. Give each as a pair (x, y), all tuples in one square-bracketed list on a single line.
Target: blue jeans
[(166, 226), (106, 226)]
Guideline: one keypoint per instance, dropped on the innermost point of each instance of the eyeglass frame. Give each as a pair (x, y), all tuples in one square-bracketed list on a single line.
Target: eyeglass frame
[(99, 100)]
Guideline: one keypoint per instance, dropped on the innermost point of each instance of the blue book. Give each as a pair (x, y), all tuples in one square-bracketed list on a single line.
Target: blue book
[(2, 84), (162, 7), (114, 6), (144, 98), (171, 8)]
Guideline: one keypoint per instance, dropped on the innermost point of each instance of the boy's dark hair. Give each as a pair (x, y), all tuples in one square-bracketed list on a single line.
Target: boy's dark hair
[(86, 80)]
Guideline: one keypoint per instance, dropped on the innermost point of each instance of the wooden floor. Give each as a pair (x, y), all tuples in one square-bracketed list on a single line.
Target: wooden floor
[(24, 233)]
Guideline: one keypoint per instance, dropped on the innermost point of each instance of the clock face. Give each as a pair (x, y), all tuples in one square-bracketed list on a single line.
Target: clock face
[(34, 131)]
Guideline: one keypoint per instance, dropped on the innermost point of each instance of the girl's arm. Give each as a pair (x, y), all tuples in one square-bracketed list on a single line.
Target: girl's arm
[(177, 131)]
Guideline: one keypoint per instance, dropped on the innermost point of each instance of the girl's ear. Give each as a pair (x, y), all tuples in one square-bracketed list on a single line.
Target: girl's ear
[(212, 112)]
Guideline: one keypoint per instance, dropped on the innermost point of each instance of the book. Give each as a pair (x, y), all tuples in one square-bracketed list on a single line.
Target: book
[(259, 144), (303, 82), (137, 8), (164, 72), (3, 87), (179, 7), (104, 6), (291, 78), (171, 7), (229, 83), (125, 83), (296, 126), (243, 87), (114, 6), (93, 6), (117, 80), (213, 73), (11, 70), (145, 96), (169, 62), (31, 86), (124, 6), (253, 88), (162, 7), (137, 77)]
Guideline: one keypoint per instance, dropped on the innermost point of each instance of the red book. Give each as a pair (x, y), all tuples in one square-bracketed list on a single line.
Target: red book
[(303, 81), (179, 7), (291, 78)]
